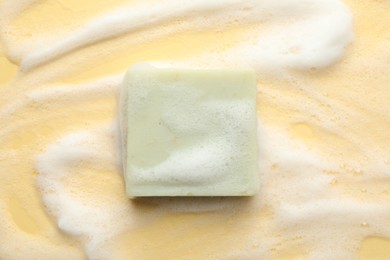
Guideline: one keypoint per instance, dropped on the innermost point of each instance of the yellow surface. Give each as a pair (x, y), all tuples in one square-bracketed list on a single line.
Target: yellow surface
[(7, 68), (375, 248), (30, 130)]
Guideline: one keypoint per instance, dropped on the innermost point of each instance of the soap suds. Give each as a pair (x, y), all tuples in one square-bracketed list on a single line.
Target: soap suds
[(318, 31), (302, 198), (202, 128), (318, 199), (93, 217), (105, 213)]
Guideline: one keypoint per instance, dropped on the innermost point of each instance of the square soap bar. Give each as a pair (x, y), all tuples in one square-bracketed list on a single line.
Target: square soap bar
[(189, 132)]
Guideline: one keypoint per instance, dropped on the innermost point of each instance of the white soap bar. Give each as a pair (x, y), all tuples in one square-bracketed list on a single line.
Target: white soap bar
[(189, 132)]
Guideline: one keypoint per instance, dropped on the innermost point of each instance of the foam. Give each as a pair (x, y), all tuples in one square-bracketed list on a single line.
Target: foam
[(318, 31), (304, 203), (108, 206), (74, 215), (322, 196)]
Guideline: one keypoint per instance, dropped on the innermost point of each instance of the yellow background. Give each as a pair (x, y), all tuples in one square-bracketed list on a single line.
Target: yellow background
[(18, 178)]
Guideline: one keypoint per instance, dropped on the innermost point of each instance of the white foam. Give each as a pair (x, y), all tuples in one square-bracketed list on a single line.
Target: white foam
[(101, 215), (300, 34), (84, 214), (183, 165), (307, 208), (304, 203)]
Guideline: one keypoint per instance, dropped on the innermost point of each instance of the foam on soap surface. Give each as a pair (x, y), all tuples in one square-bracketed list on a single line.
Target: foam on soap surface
[(189, 132), (323, 132)]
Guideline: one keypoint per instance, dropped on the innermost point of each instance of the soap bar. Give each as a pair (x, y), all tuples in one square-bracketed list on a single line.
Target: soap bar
[(189, 132)]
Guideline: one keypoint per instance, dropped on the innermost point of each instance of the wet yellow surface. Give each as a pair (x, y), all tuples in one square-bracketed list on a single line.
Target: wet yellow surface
[(7, 68)]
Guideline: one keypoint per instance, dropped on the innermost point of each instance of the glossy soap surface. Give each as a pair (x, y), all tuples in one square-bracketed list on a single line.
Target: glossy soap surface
[(324, 125)]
